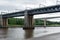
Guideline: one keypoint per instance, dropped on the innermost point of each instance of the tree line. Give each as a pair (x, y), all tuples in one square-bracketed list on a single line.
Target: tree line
[(17, 21)]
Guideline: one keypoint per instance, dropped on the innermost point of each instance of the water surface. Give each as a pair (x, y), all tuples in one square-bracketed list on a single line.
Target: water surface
[(20, 34)]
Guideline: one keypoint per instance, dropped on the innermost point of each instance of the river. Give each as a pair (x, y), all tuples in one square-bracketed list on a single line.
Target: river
[(19, 33)]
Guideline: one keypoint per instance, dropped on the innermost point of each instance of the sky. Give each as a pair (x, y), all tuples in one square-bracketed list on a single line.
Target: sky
[(23, 4), (18, 5)]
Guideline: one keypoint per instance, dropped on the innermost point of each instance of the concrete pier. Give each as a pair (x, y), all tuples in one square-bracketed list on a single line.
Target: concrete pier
[(44, 22), (29, 23), (3, 22)]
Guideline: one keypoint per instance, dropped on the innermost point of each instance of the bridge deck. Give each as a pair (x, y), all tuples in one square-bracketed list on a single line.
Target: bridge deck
[(44, 10)]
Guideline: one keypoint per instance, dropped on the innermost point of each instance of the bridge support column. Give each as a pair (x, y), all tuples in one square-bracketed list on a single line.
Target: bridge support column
[(5, 22), (44, 22), (1, 22), (29, 24)]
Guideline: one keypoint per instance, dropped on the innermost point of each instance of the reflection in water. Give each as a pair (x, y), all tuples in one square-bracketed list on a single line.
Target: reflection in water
[(3, 32), (28, 34), (20, 34)]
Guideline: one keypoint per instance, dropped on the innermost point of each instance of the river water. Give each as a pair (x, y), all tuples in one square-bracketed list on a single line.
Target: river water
[(20, 34)]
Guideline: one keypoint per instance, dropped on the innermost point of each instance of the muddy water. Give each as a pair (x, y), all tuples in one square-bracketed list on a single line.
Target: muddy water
[(19, 33)]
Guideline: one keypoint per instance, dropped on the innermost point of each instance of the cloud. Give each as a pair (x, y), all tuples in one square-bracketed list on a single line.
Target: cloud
[(23, 4), (7, 7), (50, 2)]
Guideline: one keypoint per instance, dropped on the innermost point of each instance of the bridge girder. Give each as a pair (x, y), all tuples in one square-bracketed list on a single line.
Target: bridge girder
[(45, 10)]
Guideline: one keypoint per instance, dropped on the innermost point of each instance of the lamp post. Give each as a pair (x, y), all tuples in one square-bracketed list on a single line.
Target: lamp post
[(40, 5)]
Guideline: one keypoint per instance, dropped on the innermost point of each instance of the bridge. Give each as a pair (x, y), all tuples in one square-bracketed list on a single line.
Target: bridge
[(44, 10), (29, 15)]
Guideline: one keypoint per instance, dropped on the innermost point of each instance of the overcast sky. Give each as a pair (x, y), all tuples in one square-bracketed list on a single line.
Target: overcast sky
[(23, 4), (17, 5)]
